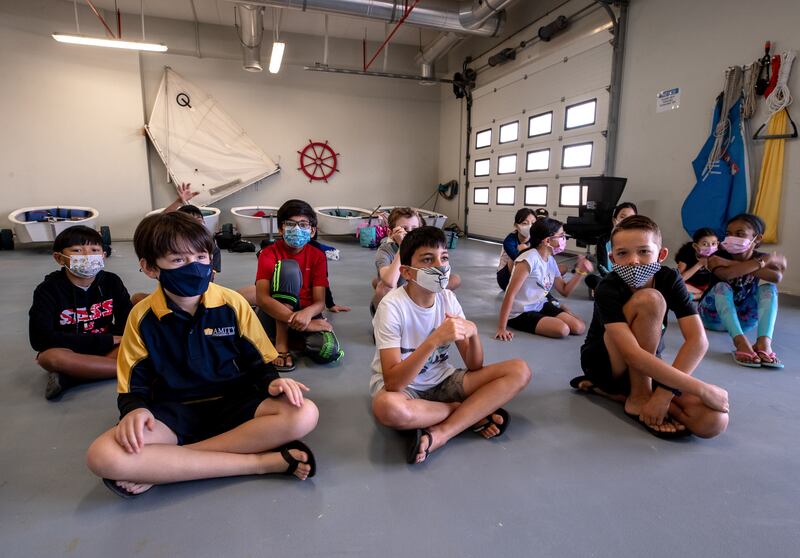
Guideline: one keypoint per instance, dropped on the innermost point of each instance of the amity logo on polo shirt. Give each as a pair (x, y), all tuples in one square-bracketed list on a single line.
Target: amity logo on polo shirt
[(220, 331)]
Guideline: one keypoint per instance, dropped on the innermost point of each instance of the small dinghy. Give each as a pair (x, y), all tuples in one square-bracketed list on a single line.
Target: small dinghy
[(210, 217), (255, 220), (44, 223), (340, 220)]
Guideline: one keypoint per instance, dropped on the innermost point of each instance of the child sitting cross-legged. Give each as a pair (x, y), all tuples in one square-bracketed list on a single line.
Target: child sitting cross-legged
[(413, 385), (621, 354), (290, 290), (743, 293), (78, 313), (198, 397), (527, 305)]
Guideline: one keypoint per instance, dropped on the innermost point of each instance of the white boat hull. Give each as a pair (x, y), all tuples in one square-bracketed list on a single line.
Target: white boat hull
[(340, 225), (210, 217), (249, 225), (27, 229)]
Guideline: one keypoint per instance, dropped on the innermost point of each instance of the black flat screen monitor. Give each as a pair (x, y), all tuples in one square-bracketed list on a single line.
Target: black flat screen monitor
[(603, 191)]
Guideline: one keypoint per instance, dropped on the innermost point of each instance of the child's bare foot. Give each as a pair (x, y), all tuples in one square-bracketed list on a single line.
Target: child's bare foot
[(134, 488), (339, 308), (744, 351), (303, 468), (493, 425), (635, 407)]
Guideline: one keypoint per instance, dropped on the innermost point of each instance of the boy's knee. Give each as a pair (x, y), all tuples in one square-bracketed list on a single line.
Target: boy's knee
[(103, 457), (649, 300), (391, 412), (714, 425), (304, 418), (52, 360), (577, 328), (560, 330), (520, 372), (323, 347)]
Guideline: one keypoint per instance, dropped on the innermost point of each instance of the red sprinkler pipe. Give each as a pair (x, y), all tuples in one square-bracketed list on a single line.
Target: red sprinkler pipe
[(102, 20), (402, 20)]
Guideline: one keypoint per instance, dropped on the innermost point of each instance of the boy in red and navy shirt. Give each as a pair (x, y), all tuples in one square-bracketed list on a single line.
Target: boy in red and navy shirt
[(290, 290)]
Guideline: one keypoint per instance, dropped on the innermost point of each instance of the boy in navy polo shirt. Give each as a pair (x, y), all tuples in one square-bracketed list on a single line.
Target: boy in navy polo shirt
[(198, 397), (290, 290)]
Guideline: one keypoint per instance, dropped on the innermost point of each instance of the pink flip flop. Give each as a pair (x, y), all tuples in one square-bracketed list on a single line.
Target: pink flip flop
[(770, 360), (738, 354)]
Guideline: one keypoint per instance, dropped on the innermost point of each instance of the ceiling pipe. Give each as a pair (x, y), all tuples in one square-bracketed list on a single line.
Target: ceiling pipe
[(472, 17), (479, 12), (250, 28)]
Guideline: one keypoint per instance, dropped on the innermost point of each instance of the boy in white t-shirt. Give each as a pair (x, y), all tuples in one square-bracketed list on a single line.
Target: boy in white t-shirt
[(414, 387)]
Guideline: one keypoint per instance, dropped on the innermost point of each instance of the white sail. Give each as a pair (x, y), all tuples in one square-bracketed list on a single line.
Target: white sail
[(201, 144)]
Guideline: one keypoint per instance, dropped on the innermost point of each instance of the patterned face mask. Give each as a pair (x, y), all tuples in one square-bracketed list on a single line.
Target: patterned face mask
[(433, 279), (636, 276), (560, 246), (86, 266)]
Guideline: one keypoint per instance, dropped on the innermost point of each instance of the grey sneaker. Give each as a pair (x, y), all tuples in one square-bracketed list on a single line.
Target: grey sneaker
[(55, 386)]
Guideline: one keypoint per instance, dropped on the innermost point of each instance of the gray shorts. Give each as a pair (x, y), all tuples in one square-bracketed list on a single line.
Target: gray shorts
[(450, 390)]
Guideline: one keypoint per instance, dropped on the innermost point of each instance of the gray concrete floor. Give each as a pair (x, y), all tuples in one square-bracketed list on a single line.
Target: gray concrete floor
[(572, 476)]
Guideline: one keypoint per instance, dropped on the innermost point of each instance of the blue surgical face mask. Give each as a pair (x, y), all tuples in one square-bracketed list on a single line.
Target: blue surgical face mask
[(189, 280), (296, 237)]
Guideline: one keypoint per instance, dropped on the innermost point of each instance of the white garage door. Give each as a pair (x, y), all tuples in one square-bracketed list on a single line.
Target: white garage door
[(536, 131)]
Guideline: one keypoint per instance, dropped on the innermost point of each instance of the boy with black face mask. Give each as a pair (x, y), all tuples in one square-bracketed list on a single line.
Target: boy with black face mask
[(198, 397), (621, 354), (413, 385), (78, 313)]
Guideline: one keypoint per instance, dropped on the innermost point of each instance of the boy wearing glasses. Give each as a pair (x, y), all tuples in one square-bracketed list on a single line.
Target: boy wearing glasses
[(290, 290)]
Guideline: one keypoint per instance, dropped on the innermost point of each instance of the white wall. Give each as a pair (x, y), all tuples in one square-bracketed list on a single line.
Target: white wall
[(71, 121), (74, 117), (688, 44)]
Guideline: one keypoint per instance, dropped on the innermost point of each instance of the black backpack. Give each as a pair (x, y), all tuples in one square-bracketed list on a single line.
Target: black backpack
[(242, 246), (226, 237)]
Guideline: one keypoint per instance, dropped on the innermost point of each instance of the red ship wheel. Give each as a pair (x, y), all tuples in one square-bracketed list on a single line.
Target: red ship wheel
[(318, 161)]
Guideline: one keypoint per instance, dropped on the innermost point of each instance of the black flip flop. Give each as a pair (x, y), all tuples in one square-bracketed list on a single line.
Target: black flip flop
[(501, 426), (657, 433), (293, 463), (121, 492), (413, 449), (575, 383), (284, 367)]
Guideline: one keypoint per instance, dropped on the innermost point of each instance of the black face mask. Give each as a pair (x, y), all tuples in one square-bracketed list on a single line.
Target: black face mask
[(189, 280)]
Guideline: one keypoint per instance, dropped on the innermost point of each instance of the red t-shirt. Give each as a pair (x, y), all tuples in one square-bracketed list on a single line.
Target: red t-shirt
[(313, 265)]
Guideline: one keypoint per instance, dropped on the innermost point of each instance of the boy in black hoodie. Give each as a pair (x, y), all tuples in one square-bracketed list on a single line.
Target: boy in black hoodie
[(78, 313)]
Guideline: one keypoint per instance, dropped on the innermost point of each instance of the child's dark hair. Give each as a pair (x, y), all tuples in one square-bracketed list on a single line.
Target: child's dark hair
[(523, 214), (753, 221), (295, 208), (170, 233), (79, 235), (192, 210), (622, 206), (637, 222), (543, 228), (700, 234), (423, 237)]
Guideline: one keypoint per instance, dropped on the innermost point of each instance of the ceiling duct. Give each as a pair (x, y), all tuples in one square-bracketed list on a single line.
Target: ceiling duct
[(473, 17), (250, 28)]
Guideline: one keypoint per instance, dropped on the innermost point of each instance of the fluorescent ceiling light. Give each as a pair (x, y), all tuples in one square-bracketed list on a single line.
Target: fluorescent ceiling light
[(276, 57), (114, 43)]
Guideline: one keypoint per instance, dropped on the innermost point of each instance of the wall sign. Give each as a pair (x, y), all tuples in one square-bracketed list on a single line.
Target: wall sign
[(669, 99)]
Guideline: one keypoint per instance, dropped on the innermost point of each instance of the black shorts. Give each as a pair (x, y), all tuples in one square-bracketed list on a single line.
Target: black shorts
[(193, 421), (527, 321), (596, 364)]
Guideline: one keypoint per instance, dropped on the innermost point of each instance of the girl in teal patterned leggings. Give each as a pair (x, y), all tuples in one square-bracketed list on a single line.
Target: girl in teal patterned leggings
[(743, 293)]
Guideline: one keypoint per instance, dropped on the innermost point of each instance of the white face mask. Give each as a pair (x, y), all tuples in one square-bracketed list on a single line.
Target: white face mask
[(524, 230), (86, 266), (433, 279)]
